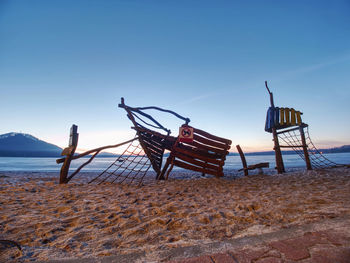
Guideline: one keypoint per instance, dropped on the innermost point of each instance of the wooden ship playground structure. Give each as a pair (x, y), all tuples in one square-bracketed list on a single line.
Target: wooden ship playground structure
[(193, 149), (287, 127)]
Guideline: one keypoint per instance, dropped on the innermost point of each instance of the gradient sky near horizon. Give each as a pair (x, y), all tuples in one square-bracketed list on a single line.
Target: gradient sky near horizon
[(65, 62)]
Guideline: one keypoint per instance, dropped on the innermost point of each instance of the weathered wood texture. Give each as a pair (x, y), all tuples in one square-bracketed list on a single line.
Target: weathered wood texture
[(69, 152), (305, 150), (206, 154), (153, 143), (244, 162), (276, 148), (246, 168), (289, 117), (61, 160)]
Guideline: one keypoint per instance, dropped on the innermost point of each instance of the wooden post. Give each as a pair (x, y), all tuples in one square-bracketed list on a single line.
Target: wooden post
[(278, 153), (69, 152), (276, 148), (244, 162), (306, 153)]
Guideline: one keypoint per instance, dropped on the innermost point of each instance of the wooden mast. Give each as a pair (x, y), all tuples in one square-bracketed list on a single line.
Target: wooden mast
[(277, 148)]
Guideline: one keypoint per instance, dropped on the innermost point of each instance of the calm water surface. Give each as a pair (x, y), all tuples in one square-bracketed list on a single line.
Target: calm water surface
[(99, 164)]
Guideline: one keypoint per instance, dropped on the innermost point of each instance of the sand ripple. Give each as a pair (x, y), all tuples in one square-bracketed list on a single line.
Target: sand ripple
[(79, 220)]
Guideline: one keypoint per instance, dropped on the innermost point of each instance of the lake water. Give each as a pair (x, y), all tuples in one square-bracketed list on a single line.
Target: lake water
[(99, 164)]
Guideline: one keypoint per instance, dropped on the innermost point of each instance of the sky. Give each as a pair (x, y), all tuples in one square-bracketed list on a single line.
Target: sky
[(70, 62)]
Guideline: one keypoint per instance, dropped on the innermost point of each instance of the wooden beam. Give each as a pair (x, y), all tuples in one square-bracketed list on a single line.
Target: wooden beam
[(278, 153), (306, 153)]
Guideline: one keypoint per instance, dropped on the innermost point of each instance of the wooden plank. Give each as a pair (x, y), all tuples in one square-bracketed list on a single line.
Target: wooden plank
[(198, 156), (258, 165), (203, 140), (207, 148), (156, 166), (289, 130), (156, 158), (196, 162), (210, 142), (148, 131), (152, 153), (169, 141), (285, 126), (199, 151), (153, 147), (196, 169), (212, 137), (155, 140), (152, 141)]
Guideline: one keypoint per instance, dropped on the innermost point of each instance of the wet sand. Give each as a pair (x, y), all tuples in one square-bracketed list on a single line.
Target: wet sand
[(52, 221)]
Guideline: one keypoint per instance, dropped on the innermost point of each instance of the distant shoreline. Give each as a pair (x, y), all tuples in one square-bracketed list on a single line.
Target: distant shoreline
[(106, 155)]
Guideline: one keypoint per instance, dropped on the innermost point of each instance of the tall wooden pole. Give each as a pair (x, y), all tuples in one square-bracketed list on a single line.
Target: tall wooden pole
[(277, 148), (69, 152), (278, 153)]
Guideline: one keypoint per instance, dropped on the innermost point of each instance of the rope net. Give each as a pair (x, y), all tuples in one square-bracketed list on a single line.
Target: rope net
[(129, 168), (292, 138)]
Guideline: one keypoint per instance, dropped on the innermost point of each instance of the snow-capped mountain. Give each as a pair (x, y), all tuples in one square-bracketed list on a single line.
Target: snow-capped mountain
[(15, 144), (12, 134)]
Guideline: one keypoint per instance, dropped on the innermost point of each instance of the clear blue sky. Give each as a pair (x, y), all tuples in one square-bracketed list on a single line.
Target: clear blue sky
[(65, 62)]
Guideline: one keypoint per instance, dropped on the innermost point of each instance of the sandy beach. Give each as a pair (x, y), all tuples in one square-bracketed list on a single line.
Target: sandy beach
[(52, 221)]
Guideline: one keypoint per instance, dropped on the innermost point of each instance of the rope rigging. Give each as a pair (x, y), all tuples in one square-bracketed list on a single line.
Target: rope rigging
[(292, 138), (129, 168)]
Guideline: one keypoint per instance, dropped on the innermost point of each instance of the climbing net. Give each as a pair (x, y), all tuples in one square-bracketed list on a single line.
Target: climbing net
[(129, 168), (293, 140)]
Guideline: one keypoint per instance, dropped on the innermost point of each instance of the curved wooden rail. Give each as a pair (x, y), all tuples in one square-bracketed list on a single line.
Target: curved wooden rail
[(64, 178), (61, 160)]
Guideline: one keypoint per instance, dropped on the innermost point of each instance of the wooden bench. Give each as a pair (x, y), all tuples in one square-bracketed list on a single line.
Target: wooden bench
[(205, 154)]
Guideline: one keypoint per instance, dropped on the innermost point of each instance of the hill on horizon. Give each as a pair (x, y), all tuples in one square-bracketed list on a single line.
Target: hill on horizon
[(15, 144)]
